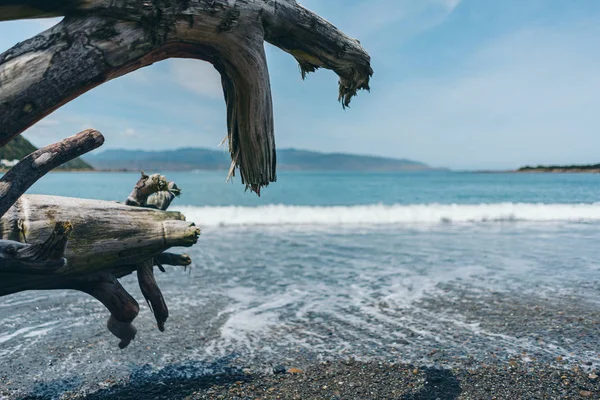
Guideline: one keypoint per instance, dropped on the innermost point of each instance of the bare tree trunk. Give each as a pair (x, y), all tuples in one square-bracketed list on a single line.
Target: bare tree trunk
[(99, 40)]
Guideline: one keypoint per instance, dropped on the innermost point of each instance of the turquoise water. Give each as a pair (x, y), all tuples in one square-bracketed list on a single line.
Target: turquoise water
[(208, 188), (338, 198)]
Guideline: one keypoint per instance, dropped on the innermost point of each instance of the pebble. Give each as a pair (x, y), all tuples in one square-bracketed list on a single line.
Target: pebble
[(279, 369)]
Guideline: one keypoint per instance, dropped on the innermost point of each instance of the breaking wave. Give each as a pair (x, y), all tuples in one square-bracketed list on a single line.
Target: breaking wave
[(379, 214)]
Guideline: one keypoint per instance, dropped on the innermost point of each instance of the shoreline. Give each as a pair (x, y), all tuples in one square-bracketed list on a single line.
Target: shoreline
[(537, 171)]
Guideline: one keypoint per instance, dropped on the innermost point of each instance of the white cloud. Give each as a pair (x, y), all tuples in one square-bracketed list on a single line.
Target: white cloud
[(129, 132), (450, 5), (196, 76)]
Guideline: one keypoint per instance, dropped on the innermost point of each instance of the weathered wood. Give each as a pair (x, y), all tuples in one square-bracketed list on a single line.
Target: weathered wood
[(99, 40), (122, 306), (173, 259), (107, 237), (152, 293), (37, 164), (145, 186), (153, 191), (40, 258), (162, 199)]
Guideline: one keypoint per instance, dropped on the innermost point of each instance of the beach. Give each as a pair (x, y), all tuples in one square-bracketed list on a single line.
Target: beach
[(454, 286), (443, 373)]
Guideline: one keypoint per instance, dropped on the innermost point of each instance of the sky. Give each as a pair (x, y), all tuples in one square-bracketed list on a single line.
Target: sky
[(463, 84)]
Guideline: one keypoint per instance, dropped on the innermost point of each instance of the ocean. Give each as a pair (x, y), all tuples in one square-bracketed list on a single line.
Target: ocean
[(435, 268)]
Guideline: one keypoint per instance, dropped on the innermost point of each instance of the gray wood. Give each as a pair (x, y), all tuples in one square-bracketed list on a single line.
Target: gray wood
[(99, 40), (152, 293), (107, 237), (39, 258), (122, 306), (37, 164)]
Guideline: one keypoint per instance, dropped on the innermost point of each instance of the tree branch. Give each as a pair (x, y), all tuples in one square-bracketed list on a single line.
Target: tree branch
[(152, 293), (20, 178), (99, 40), (172, 259), (122, 306)]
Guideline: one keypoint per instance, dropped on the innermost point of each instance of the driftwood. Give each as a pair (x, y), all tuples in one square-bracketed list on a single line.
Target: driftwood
[(96, 224), (42, 258), (99, 40), (153, 191), (108, 240)]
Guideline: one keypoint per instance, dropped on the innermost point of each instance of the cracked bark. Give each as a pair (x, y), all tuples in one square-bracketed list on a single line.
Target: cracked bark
[(107, 241), (99, 40), (107, 238)]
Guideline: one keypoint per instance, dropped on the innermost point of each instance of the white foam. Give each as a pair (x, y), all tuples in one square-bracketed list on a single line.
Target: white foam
[(28, 332), (388, 214)]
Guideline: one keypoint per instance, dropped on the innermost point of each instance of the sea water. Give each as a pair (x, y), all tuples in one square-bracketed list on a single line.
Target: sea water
[(424, 267)]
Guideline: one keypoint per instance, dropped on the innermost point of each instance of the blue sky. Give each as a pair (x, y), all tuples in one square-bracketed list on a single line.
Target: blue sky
[(458, 83)]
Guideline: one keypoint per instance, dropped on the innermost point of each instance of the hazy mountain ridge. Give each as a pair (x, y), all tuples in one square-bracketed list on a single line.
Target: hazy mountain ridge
[(287, 159)]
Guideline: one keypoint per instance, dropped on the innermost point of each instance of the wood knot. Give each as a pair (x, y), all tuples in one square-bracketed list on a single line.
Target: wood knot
[(28, 108)]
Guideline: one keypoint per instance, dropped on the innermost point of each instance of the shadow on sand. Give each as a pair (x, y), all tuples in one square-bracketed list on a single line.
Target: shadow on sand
[(172, 382), (440, 384)]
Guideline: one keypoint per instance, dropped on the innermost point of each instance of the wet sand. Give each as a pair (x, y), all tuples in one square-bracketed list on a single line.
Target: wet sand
[(503, 326), (442, 373)]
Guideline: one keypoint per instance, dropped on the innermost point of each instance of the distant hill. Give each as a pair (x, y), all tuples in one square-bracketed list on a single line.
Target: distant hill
[(20, 147), (205, 159), (595, 168)]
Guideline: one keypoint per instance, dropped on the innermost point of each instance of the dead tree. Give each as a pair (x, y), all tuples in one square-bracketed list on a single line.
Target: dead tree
[(98, 40)]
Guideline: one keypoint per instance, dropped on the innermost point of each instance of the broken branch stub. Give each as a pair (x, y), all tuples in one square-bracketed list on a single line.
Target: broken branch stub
[(99, 40), (122, 306), (152, 293), (40, 258)]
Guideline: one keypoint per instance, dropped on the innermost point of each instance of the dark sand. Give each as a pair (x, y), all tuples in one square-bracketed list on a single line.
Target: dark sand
[(536, 344), (369, 380)]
